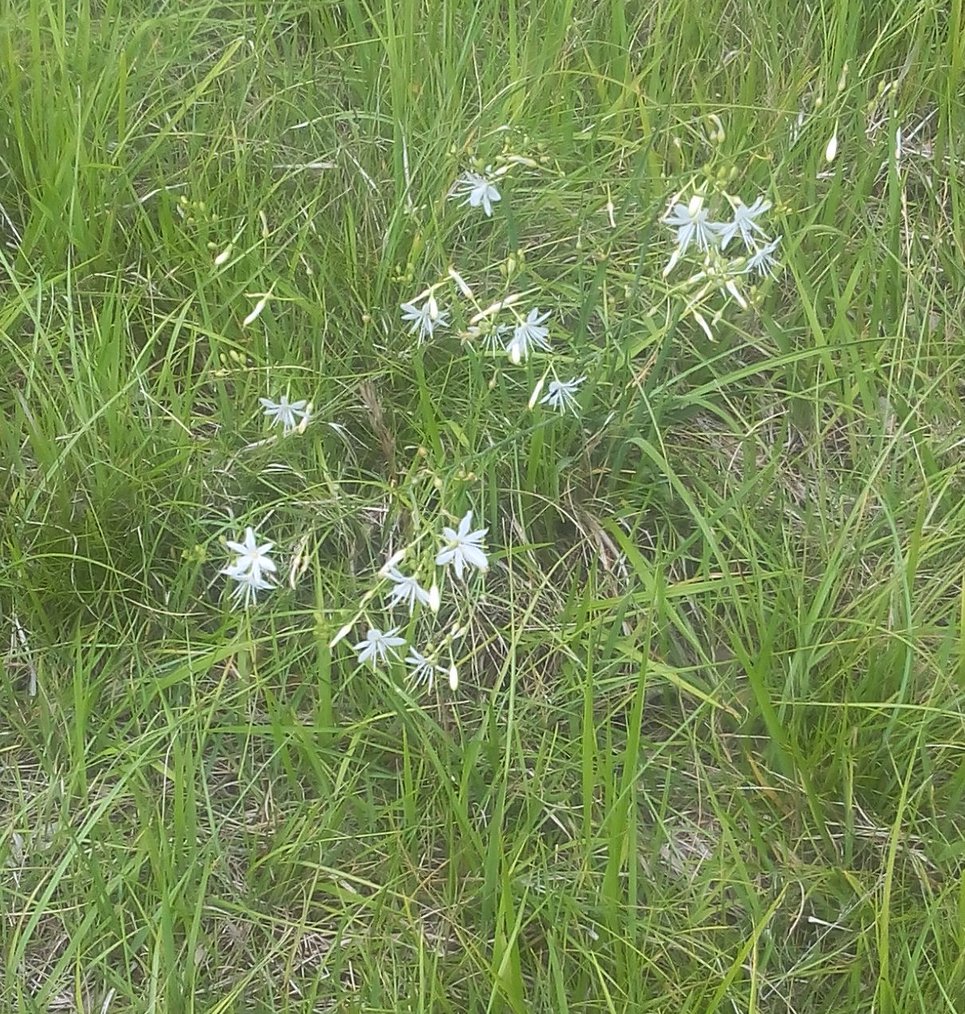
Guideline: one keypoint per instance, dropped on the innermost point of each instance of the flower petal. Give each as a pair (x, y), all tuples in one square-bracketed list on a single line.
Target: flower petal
[(475, 556)]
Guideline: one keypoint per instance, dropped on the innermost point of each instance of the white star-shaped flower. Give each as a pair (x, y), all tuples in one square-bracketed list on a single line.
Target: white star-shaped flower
[(247, 587), (693, 225), (762, 261), (250, 557), (527, 335), (478, 190), (493, 338), (744, 223), (463, 547), (289, 413), (424, 319), (378, 646), (561, 394), (407, 589), (250, 566), (422, 669)]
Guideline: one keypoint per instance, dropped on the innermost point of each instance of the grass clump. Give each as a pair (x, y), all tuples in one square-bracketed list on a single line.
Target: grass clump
[(683, 519)]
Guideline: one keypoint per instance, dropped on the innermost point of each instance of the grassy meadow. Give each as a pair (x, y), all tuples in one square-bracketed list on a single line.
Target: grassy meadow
[(695, 741)]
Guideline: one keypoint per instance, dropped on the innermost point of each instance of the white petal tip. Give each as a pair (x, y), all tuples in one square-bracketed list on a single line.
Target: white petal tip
[(394, 559), (255, 313), (537, 391), (341, 635)]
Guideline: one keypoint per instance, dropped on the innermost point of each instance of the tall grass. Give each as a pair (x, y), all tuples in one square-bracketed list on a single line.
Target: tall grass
[(705, 752)]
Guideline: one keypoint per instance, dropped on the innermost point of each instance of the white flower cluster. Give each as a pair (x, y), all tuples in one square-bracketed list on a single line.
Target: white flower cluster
[(694, 227), (518, 341), (720, 272), (461, 548)]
